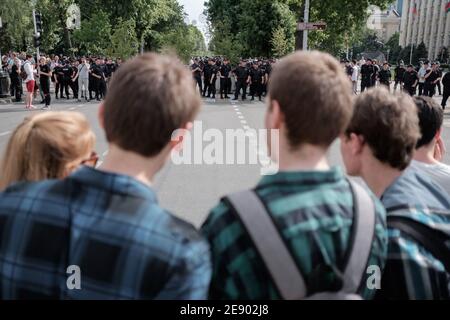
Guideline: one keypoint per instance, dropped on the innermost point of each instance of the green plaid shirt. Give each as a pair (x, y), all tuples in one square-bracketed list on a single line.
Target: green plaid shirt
[(314, 213)]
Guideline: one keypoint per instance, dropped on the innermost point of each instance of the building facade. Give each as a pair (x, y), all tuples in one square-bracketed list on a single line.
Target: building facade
[(425, 21)]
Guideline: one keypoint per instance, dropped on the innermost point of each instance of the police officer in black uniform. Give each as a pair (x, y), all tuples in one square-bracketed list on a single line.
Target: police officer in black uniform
[(59, 78), (224, 74), (256, 79), (398, 75), (207, 75), (241, 76), (367, 72), (197, 74), (212, 83), (385, 75), (410, 80), (66, 78), (97, 75)]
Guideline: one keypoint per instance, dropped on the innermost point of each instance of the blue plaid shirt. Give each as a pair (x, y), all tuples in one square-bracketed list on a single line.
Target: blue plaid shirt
[(108, 225), (412, 272)]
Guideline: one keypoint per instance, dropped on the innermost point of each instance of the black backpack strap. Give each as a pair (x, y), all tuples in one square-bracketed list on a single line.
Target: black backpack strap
[(363, 234), (431, 239), (277, 257), (269, 244)]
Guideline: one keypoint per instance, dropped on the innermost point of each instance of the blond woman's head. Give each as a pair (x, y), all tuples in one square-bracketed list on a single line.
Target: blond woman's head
[(47, 146)]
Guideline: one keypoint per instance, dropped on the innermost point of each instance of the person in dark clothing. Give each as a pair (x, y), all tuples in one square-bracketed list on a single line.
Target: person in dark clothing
[(440, 74), (66, 71), (367, 72), (224, 74), (241, 76), (16, 81), (256, 79), (102, 84), (45, 75), (431, 80), (385, 75), (74, 78), (97, 75), (207, 75), (398, 75), (59, 78), (446, 93), (410, 80), (197, 74), (212, 82)]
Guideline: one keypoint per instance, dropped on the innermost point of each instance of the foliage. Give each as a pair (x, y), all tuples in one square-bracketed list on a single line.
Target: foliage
[(280, 45), (107, 26), (254, 21), (183, 41)]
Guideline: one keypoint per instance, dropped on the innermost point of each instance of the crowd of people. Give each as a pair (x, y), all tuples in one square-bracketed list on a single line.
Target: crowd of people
[(253, 73), (58, 210), (427, 79), (84, 78)]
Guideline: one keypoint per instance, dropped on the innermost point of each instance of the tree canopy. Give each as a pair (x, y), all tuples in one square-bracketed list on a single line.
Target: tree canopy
[(119, 28), (252, 23)]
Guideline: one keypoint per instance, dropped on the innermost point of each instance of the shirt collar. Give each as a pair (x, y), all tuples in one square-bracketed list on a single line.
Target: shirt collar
[(333, 175), (114, 183)]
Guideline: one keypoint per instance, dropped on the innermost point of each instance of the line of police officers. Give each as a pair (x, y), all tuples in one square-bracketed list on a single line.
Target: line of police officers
[(66, 73), (248, 73), (426, 77)]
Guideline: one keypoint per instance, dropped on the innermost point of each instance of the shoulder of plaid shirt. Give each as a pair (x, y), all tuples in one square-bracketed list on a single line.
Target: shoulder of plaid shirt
[(412, 272), (126, 246)]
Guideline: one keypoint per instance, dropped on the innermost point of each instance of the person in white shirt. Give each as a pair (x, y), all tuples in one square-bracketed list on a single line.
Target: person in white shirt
[(29, 81), (83, 71), (422, 72), (430, 148), (355, 76)]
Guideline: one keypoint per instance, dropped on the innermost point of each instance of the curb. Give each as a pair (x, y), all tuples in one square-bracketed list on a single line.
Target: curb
[(5, 101)]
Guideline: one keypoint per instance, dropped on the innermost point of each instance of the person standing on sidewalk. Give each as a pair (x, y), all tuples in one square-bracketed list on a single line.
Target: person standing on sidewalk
[(44, 76), (446, 84), (422, 72), (83, 79), (29, 81)]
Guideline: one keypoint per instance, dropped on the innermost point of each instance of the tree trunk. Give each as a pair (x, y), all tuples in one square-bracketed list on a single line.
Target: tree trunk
[(299, 34)]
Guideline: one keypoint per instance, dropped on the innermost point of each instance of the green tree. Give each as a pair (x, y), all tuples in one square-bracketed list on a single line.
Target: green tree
[(124, 41), (394, 48), (253, 21), (94, 35), (420, 53), (280, 45)]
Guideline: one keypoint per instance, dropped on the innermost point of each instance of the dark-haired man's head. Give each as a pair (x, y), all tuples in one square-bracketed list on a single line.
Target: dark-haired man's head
[(309, 100), (149, 99), (384, 131), (431, 119)]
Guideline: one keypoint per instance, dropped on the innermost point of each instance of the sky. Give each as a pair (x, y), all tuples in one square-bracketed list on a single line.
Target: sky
[(194, 9)]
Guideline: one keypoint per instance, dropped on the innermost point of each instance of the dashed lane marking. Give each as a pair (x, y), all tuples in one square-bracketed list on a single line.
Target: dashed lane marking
[(5, 133)]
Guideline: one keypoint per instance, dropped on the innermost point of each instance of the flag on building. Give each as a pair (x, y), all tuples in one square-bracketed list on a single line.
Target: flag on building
[(415, 11), (447, 7)]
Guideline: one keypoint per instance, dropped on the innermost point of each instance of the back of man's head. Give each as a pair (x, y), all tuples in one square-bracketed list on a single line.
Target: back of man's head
[(389, 125), (431, 119), (150, 97), (314, 95)]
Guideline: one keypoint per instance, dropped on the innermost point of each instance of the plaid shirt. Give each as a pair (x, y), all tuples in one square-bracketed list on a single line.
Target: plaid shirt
[(314, 213), (412, 273), (108, 225)]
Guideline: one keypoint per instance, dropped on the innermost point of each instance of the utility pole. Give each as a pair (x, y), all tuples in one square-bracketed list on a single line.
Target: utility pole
[(1, 26), (37, 35), (306, 20)]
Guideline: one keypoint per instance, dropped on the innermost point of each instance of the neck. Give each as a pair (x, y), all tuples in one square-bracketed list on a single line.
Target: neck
[(379, 176), (131, 164), (306, 158), (426, 155)]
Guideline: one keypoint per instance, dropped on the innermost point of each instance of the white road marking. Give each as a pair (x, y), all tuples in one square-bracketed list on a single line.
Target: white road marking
[(243, 122), (105, 153), (5, 133), (80, 105), (72, 108)]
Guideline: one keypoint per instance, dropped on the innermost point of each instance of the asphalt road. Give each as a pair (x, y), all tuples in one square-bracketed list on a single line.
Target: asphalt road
[(189, 191)]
